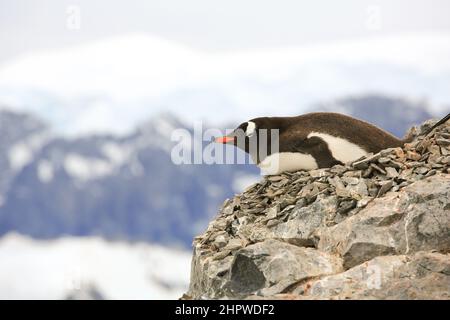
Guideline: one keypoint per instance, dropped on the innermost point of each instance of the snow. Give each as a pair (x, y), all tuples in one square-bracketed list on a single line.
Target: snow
[(164, 127), (20, 154), (117, 154), (51, 269), (114, 84), (84, 168), (45, 171)]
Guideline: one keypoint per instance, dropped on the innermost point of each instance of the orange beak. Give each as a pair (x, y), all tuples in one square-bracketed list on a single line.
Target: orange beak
[(224, 139)]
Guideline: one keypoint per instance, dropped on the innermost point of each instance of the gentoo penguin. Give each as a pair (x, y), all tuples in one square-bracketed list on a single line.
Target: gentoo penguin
[(309, 141)]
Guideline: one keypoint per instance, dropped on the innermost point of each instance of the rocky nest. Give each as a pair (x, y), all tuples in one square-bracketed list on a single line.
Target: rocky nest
[(377, 228)]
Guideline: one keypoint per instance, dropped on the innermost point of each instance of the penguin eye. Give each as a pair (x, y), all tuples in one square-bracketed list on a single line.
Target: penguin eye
[(251, 129)]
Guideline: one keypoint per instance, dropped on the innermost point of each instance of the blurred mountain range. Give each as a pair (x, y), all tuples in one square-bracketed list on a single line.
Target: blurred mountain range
[(117, 187), (126, 187)]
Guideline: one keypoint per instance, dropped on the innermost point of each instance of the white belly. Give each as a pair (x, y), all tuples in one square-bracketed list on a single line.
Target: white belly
[(341, 149), (287, 161)]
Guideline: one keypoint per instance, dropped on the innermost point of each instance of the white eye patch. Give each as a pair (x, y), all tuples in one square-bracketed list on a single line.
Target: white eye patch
[(251, 126)]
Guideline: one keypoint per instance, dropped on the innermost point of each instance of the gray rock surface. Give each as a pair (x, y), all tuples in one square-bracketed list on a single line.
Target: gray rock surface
[(404, 222), (424, 275), (378, 228)]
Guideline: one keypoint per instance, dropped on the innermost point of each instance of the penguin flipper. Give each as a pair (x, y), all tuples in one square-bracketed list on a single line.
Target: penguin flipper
[(318, 148)]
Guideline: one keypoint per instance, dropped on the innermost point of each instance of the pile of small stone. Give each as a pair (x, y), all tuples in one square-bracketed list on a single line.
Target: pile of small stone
[(340, 192)]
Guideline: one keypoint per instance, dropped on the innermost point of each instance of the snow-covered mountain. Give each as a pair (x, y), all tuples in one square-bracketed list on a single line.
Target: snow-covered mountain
[(112, 84), (118, 187), (21, 136), (90, 268)]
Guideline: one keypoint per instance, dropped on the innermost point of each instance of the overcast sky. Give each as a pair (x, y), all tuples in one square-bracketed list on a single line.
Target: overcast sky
[(29, 25)]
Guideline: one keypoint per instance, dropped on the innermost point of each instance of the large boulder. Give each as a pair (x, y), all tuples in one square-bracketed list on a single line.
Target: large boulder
[(414, 219), (378, 228), (424, 275)]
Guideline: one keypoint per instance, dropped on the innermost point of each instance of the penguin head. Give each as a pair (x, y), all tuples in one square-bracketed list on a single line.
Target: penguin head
[(250, 137)]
